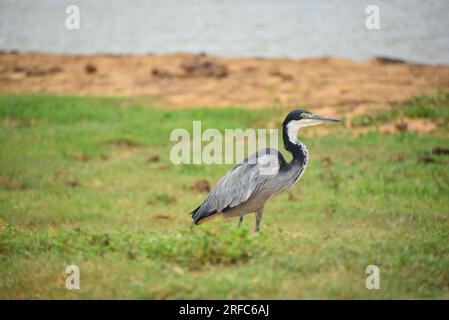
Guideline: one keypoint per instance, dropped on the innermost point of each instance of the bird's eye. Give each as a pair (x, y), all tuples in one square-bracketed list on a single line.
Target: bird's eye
[(305, 115)]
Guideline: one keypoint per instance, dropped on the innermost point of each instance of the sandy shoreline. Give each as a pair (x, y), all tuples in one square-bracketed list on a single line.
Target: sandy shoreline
[(183, 80)]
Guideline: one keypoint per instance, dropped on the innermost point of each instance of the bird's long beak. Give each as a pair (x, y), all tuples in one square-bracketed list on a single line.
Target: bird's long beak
[(321, 118)]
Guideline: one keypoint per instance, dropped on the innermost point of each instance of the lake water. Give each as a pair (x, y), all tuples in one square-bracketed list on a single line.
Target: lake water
[(410, 29)]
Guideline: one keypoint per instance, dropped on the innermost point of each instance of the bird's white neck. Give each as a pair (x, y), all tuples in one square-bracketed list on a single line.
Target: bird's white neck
[(292, 144), (292, 131)]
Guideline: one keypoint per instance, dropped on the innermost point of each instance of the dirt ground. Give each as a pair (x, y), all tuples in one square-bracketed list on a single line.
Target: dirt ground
[(184, 80)]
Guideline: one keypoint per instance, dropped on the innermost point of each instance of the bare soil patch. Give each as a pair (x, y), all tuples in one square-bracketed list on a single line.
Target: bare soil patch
[(184, 80)]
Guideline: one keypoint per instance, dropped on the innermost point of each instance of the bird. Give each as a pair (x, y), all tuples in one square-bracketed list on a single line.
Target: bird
[(262, 175)]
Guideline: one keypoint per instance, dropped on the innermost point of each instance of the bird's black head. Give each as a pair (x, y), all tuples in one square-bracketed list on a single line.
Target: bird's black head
[(296, 115), (298, 119), (304, 118), (295, 120)]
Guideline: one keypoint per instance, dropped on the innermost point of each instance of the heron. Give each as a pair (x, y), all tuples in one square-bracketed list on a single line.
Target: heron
[(262, 175)]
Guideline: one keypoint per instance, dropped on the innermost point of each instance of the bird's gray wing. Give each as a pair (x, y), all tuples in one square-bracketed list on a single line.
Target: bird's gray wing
[(238, 184)]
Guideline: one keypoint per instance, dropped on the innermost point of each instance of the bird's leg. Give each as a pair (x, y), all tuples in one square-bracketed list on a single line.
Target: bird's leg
[(259, 213), (241, 218)]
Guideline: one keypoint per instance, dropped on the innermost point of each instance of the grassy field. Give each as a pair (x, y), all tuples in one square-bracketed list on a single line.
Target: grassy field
[(88, 181)]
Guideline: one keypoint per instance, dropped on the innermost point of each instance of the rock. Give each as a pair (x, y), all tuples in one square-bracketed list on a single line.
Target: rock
[(160, 217), (122, 143), (401, 126), (201, 186), (440, 151), (153, 158), (161, 73), (426, 160), (37, 71), (90, 68), (388, 60), (73, 183), (204, 68)]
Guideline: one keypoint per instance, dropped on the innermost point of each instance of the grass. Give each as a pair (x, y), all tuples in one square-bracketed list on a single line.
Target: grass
[(419, 107), (88, 181)]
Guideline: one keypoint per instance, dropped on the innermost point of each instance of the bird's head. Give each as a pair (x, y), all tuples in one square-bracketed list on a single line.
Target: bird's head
[(298, 119)]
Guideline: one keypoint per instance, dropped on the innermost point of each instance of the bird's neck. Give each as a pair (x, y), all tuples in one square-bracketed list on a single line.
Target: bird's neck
[(294, 146)]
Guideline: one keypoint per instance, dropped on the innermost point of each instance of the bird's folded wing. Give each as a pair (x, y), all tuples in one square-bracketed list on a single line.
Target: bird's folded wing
[(235, 187)]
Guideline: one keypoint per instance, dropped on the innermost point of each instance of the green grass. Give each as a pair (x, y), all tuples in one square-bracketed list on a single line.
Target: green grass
[(76, 187), (423, 107)]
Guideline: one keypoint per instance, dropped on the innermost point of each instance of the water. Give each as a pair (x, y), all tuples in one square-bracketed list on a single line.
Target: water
[(410, 29)]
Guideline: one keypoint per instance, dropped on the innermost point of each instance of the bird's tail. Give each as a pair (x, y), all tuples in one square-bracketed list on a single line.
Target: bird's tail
[(207, 218), (200, 217), (194, 214)]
